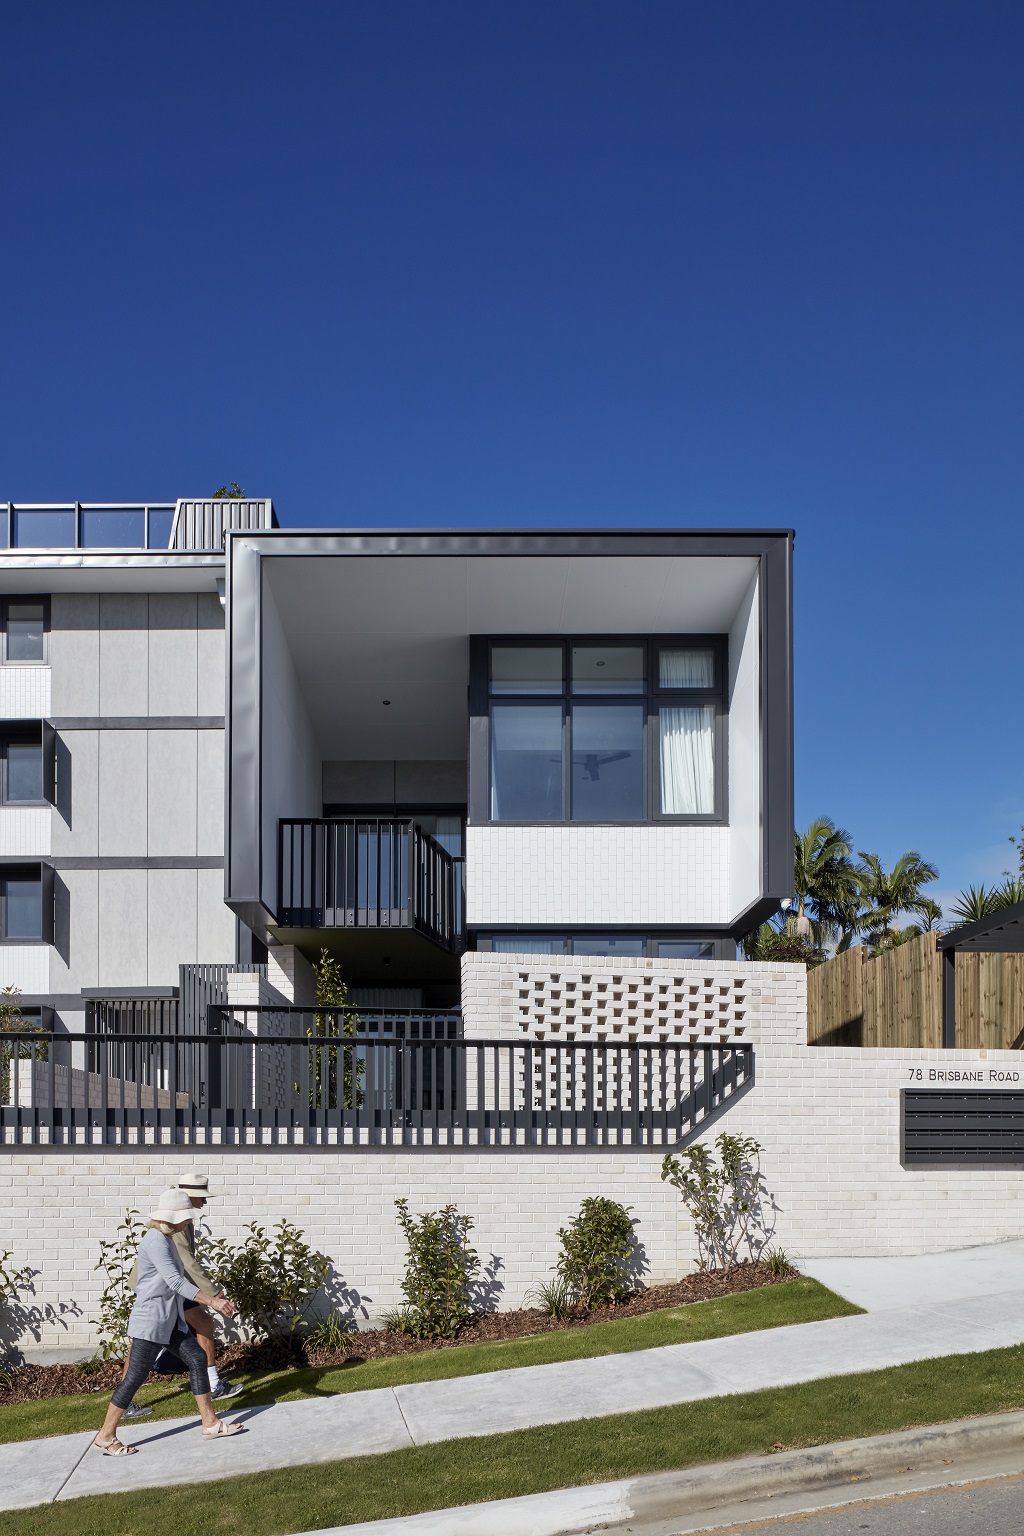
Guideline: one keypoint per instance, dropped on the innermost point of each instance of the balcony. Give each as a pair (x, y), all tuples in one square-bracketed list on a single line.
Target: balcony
[(369, 873)]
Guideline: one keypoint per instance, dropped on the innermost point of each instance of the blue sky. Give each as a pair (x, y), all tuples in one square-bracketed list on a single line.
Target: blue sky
[(566, 264)]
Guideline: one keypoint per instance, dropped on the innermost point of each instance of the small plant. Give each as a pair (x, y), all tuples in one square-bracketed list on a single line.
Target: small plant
[(273, 1280), (554, 1297), (329, 1087), (440, 1271), (330, 1334), (398, 1320), (232, 492), (597, 1249), (89, 1367), (723, 1197), (117, 1260), (778, 1263)]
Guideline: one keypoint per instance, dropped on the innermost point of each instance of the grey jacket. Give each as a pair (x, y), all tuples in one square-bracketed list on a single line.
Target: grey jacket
[(161, 1290)]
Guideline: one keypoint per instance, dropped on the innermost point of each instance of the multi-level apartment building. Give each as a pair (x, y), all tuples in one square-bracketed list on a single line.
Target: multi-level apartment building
[(223, 738)]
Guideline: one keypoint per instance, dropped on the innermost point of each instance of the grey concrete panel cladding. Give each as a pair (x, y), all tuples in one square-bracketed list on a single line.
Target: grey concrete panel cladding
[(74, 652), (74, 959), (75, 829), (122, 899), (123, 792), (172, 792), (210, 654), (173, 654), (172, 922), (124, 653), (210, 793), (395, 783)]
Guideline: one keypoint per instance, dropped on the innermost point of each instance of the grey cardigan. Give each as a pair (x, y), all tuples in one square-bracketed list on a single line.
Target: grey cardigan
[(161, 1290)]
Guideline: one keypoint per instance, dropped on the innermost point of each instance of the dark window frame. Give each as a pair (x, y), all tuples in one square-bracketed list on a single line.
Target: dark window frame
[(24, 597), (653, 698), (651, 939), (23, 869), (10, 733)]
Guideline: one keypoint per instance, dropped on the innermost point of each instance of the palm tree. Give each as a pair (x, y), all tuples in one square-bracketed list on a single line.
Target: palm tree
[(980, 901), (826, 882), (892, 892)]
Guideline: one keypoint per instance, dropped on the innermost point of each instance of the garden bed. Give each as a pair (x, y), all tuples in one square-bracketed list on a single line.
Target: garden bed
[(31, 1383)]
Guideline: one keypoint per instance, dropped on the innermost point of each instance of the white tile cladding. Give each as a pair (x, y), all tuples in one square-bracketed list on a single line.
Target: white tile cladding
[(562, 875), (24, 831), (24, 693)]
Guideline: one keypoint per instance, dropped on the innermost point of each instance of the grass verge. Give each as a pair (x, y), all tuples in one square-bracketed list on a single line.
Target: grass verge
[(774, 1306), (560, 1456)]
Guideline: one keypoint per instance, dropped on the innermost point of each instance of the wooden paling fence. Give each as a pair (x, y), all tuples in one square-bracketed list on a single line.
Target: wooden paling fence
[(895, 1000)]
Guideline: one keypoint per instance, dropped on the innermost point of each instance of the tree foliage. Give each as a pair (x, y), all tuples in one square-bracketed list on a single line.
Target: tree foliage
[(232, 492), (441, 1270), (273, 1279), (724, 1196), (117, 1260), (338, 1072)]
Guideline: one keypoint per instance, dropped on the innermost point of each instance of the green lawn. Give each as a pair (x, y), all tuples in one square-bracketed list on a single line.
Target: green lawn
[(563, 1455), (795, 1301)]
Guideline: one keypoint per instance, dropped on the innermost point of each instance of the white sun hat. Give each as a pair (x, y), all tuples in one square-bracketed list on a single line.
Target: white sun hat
[(197, 1184), (173, 1207)]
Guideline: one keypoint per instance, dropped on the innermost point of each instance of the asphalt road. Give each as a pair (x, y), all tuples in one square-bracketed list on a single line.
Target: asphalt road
[(996, 1509)]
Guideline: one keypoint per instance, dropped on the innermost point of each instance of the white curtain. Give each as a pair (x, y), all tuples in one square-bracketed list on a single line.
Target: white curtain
[(688, 760), (687, 669)]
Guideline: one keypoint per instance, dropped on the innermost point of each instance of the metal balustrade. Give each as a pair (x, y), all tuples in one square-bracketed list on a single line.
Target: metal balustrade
[(294, 1078), (369, 872)]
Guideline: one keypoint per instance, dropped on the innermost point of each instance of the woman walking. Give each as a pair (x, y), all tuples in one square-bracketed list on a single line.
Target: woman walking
[(157, 1322)]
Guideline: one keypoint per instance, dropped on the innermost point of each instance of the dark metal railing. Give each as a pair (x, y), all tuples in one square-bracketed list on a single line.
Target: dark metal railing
[(311, 1087), (368, 872)]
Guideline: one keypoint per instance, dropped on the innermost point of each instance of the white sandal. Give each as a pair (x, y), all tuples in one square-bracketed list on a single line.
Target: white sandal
[(114, 1447), (222, 1427)]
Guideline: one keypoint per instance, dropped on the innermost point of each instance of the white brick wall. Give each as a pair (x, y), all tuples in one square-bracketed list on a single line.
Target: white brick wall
[(24, 830), (555, 876), (828, 1121), (24, 693)]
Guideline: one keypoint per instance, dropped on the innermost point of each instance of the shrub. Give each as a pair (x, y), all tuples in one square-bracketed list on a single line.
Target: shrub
[(273, 1280), (597, 1249), (14, 1022), (330, 1334), (778, 1263), (723, 1197), (117, 1260), (440, 1271)]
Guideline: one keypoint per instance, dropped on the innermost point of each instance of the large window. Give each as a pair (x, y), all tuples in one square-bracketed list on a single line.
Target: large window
[(24, 629), (624, 731)]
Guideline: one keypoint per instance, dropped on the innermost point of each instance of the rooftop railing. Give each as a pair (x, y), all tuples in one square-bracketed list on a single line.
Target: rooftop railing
[(185, 525), (289, 1085)]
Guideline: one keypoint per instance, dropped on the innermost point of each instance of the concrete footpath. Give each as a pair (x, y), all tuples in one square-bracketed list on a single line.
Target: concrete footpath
[(918, 1309)]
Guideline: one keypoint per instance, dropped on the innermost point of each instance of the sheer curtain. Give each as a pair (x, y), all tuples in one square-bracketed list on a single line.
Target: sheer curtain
[(687, 669), (688, 760)]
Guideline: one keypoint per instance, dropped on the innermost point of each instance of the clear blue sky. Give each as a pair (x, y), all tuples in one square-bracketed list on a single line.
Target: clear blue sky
[(556, 263)]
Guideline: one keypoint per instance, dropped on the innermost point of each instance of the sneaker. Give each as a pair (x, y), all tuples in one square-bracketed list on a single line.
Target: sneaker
[(227, 1389), (136, 1411)]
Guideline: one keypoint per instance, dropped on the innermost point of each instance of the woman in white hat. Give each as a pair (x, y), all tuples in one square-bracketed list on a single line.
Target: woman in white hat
[(157, 1322)]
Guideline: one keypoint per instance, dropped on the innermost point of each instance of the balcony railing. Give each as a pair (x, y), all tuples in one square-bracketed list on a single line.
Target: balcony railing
[(368, 872), (233, 1087)]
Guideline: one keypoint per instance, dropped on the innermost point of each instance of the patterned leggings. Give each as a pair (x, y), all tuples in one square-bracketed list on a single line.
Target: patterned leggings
[(140, 1362)]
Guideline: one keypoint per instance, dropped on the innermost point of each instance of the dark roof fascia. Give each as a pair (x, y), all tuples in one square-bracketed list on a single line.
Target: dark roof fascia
[(482, 542), (985, 928)]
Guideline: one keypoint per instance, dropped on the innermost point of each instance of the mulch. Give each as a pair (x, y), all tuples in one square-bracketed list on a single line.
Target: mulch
[(31, 1383)]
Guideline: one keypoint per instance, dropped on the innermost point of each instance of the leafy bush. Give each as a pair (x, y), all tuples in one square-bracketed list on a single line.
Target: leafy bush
[(273, 1280), (117, 1260), (597, 1250), (440, 1271), (723, 1197), (14, 1022)]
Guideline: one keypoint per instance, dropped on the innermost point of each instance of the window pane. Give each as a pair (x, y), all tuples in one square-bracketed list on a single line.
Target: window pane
[(24, 909), (608, 762), (607, 944), (446, 830), (688, 760), (44, 530), (24, 631), (526, 762), (686, 669), (24, 770), (526, 669), (607, 669), (123, 529), (528, 944), (685, 949), (160, 525)]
